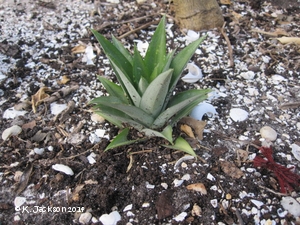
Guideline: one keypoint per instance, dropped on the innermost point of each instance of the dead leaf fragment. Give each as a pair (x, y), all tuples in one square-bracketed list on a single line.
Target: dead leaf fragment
[(188, 130), (38, 97), (78, 49), (64, 80), (236, 16), (39, 136), (75, 194), (231, 170), (289, 40), (291, 105), (276, 33), (199, 187), (29, 125), (198, 126), (24, 178)]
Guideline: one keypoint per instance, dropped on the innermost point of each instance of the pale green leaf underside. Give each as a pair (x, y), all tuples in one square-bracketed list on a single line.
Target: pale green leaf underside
[(182, 145), (154, 96)]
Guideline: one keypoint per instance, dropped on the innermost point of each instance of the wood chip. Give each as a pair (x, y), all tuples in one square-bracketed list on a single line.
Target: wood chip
[(231, 170)]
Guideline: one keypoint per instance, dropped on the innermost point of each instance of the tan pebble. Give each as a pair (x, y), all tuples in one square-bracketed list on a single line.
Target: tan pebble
[(183, 165), (268, 133), (196, 211), (228, 196), (18, 175), (97, 118)]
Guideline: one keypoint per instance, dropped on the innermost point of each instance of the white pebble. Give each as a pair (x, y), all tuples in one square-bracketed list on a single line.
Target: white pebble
[(110, 219), (177, 182), (97, 118), (94, 138), (63, 168), (180, 217), (214, 203), (257, 203), (127, 208), (268, 133), (145, 204), (19, 201), (291, 205), (11, 113), (186, 177), (150, 186), (210, 177), (91, 158), (164, 185), (237, 114), (85, 218), (249, 75), (57, 108), (38, 151), (11, 131), (100, 132), (296, 151)]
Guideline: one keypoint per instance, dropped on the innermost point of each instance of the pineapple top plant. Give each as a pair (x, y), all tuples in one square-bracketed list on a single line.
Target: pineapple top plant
[(144, 98)]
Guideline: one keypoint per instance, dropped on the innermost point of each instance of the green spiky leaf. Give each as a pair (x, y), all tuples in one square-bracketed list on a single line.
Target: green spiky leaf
[(182, 145), (120, 140), (113, 89), (156, 52)]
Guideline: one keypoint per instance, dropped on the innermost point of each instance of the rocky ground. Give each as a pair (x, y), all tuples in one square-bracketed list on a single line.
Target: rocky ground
[(53, 169)]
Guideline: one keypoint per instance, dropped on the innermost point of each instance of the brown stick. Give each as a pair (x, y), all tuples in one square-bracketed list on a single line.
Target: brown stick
[(137, 29), (228, 44)]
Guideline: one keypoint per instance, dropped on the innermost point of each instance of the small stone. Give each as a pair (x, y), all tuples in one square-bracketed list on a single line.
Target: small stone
[(214, 203), (63, 168), (39, 151), (164, 185), (291, 205), (258, 204), (237, 114), (210, 177), (110, 219), (150, 186), (57, 108), (183, 165), (11, 113), (268, 133), (145, 204), (85, 218), (177, 182), (249, 75), (186, 177), (97, 118), (180, 217), (91, 158), (127, 208), (11, 131), (296, 151), (196, 211), (19, 201), (228, 196), (100, 132)]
